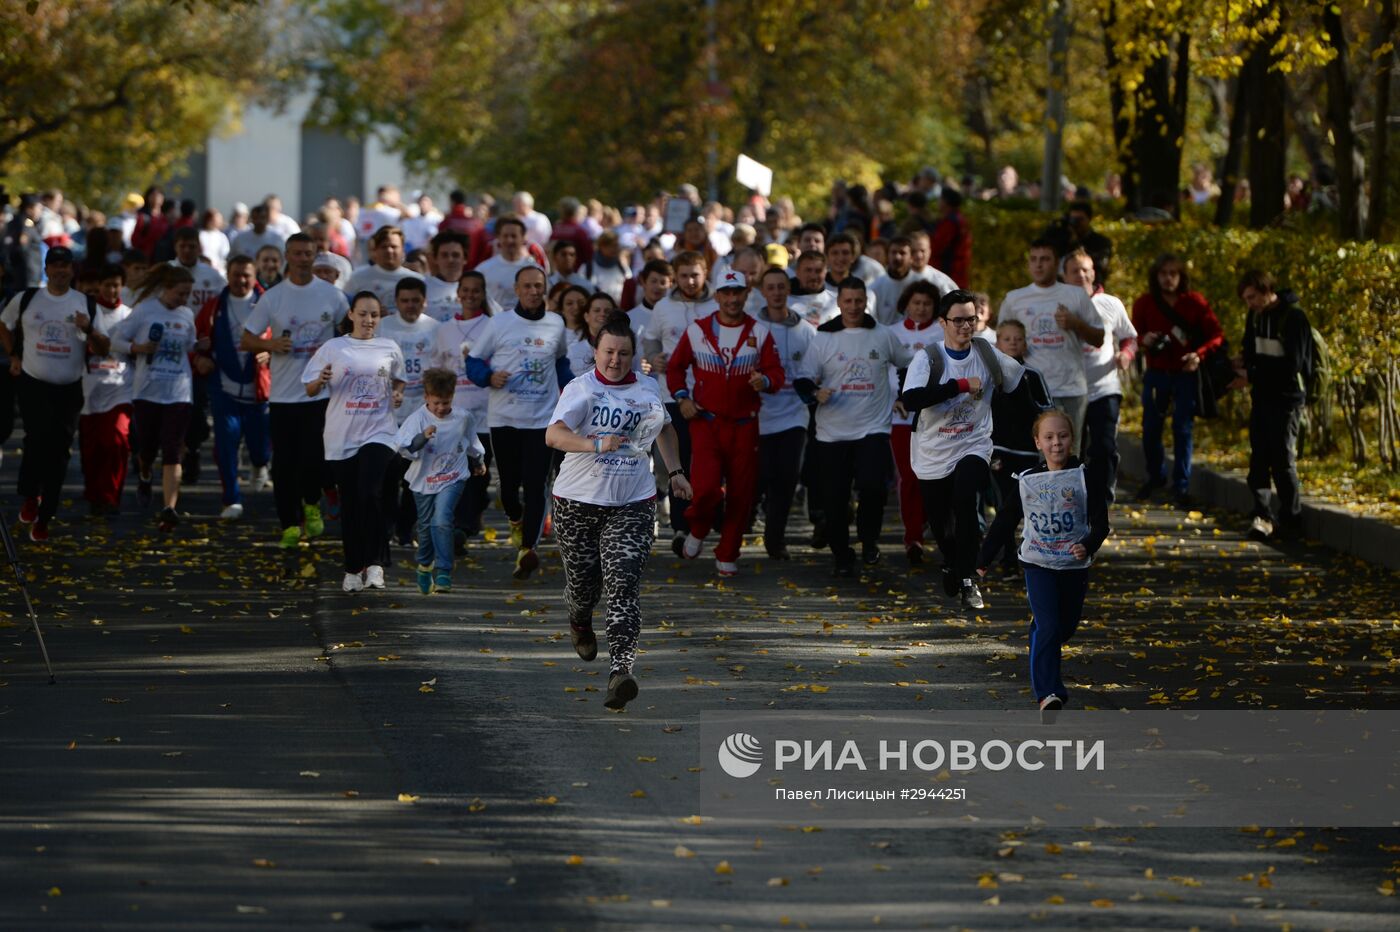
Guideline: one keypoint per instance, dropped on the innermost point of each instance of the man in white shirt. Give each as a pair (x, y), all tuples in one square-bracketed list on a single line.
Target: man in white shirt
[(386, 211), (840, 257), (55, 326), (302, 312), (810, 297), (277, 219), (448, 253), (258, 235), (418, 230), (900, 275), (563, 255), (387, 270), (538, 229), (511, 256), (1059, 320)]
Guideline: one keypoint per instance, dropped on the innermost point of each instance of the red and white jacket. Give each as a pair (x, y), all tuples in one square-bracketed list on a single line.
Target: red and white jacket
[(722, 368)]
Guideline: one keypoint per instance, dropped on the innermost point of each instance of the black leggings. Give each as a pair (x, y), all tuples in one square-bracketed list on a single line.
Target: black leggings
[(522, 460), (950, 504), (298, 457), (361, 481)]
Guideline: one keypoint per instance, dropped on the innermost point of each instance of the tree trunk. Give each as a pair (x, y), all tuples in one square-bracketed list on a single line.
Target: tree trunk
[(1154, 154), (1117, 103), (1339, 115), (1268, 137), (1053, 162), (1380, 164), (1234, 152)]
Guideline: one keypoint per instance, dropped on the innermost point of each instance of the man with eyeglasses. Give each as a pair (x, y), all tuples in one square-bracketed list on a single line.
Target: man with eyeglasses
[(950, 385)]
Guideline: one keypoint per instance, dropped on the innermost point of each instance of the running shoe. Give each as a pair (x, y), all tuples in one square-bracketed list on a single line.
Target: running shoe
[(971, 595), (39, 531), (352, 583), (425, 579), (914, 553), (622, 689), (261, 479), (678, 544), (778, 552), (692, 546), (374, 577), (1261, 528), (1145, 490), (526, 562), (517, 535), (1049, 708), (291, 536), (1183, 500), (313, 522), (870, 554), (168, 519), (143, 492), (442, 582), (29, 511), (585, 641), (726, 569), (332, 503), (232, 512)]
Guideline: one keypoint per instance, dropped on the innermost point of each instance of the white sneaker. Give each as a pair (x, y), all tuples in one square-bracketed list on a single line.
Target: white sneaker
[(261, 479), (374, 577), (232, 512), (726, 569), (692, 547), (353, 582)]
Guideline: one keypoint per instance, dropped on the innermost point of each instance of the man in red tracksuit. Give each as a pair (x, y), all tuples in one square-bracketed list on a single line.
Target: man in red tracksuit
[(731, 358)]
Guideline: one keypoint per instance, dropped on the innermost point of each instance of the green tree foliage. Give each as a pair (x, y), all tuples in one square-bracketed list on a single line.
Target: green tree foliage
[(103, 95)]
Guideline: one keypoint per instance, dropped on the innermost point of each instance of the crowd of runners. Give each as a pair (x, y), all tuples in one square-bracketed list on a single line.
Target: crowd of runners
[(621, 380)]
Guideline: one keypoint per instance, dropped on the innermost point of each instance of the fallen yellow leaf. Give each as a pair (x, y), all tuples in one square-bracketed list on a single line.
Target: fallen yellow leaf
[(407, 798), (723, 868)]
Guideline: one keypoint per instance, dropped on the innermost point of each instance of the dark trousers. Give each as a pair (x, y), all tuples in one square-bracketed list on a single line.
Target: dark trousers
[(361, 482), (522, 463), (1273, 453), (779, 464), (7, 400), (1057, 605), (400, 509), (868, 465), (1101, 443), (951, 506), (50, 414), (1007, 488), (679, 524), (198, 431), (298, 457), (475, 496), (1163, 391)]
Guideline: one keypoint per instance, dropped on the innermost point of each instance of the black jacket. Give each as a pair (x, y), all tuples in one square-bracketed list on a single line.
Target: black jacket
[(1278, 350), (1009, 516)]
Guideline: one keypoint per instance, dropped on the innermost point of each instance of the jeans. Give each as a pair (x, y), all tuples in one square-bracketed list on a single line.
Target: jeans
[(1057, 605), (1273, 453), (435, 510), (1162, 390), (1101, 445)]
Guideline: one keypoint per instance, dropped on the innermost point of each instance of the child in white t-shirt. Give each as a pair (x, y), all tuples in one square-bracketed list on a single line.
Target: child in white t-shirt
[(442, 443)]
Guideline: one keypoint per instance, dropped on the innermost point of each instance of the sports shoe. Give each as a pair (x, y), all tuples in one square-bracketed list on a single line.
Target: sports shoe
[(526, 562), (622, 689), (313, 522), (442, 582), (778, 552), (232, 512), (914, 553), (1145, 490), (1049, 709), (291, 536), (585, 641), (29, 511), (1261, 528), (425, 579), (678, 544), (352, 583), (332, 503), (261, 479), (143, 492), (517, 535), (971, 595), (726, 569), (692, 547), (950, 582), (1183, 500), (168, 519), (870, 554), (39, 531), (374, 577)]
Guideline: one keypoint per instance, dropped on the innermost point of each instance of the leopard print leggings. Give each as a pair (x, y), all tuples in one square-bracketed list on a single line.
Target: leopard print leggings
[(606, 548)]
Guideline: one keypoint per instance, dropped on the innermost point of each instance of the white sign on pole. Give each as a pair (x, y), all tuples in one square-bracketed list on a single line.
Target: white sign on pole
[(754, 175)]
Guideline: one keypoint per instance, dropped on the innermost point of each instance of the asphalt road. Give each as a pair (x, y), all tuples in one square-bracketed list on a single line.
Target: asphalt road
[(234, 742)]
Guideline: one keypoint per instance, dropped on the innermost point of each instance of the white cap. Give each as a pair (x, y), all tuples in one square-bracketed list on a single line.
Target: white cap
[(732, 279)]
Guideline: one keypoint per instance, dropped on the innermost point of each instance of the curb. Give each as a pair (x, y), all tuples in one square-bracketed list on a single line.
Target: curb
[(1369, 539)]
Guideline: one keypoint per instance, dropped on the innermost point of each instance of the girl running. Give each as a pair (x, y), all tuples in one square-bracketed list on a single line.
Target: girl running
[(366, 378), (1066, 523), (605, 497)]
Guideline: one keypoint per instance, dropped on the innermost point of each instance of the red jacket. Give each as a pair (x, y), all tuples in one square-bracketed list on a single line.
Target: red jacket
[(1195, 311), (722, 377), (457, 221), (950, 247)]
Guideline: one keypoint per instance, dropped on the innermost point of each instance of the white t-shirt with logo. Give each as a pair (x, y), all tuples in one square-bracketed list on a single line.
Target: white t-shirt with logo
[(208, 282), (54, 347), (915, 340), (361, 392), (527, 349), (962, 425), (107, 382), (443, 459), (1101, 362), (309, 314), (669, 319), (592, 408), (448, 342), (164, 376), (855, 362), (817, 308), (415, 341), (442, 303), (380, 281), (499, 273), (784, 409), (1056, 353)]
